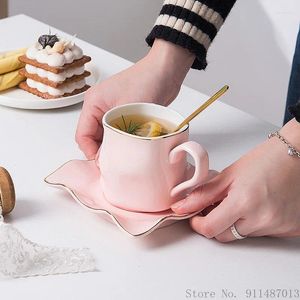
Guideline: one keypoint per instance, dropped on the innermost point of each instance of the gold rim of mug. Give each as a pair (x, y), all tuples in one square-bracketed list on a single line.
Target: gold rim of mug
[(105, 124), (146, 138)]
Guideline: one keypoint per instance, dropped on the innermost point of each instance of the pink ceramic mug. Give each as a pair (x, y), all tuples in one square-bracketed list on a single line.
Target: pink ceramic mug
[(148, 174)]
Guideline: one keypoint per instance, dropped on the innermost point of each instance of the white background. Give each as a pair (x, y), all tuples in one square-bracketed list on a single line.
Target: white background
[(252, 53)]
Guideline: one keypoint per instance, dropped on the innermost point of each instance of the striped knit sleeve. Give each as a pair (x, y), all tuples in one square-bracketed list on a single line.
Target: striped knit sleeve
[(192, 24)]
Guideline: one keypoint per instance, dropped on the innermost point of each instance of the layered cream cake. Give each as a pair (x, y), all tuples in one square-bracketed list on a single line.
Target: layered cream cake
[(54, 68)]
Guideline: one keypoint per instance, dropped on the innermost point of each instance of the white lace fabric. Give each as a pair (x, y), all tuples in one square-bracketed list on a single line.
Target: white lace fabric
[(20, 257)]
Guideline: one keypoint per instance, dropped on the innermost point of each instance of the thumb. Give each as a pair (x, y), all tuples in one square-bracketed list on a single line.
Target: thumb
[(89, 130), (204, 196)]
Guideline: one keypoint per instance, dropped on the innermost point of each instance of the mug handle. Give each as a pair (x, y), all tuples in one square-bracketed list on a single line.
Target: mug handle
[(200, 156)]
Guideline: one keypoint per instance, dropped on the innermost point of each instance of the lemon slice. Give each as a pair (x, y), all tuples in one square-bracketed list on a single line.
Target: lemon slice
[(150, 129)]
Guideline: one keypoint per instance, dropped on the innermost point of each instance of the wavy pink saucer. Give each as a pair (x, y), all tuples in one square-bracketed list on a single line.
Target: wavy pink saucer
[(81, 179)]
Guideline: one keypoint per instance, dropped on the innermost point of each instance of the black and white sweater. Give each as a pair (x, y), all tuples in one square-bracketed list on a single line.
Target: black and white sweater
[(192, 24)]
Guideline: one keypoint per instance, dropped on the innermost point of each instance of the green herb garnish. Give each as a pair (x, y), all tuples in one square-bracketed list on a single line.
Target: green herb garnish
[(130, 127)]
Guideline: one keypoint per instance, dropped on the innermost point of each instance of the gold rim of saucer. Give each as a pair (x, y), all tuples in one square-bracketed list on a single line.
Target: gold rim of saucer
[(157, 224), (7, 192)]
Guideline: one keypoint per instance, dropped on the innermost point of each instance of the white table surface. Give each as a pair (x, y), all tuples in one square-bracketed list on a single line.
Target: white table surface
[(166, 263)]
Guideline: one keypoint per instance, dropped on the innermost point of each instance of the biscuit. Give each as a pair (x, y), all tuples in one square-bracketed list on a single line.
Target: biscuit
[(24, 86), (54, 84), (76, 63)]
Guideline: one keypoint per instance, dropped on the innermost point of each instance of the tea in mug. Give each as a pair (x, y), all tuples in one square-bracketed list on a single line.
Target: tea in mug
[(143, 125)]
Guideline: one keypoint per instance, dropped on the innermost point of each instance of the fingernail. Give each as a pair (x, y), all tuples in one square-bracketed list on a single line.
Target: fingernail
[(177, 204)]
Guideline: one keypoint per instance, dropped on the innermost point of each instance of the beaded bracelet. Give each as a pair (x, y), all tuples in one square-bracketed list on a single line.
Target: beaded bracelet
[(291, 150)]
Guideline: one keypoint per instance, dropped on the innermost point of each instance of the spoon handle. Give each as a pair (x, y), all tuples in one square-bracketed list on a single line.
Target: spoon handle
[(212, 99)]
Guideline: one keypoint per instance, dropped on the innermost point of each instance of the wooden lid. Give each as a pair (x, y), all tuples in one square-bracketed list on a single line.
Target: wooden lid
[(7, 192)]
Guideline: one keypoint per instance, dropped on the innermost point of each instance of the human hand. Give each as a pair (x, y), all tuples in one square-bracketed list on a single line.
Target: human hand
[(260, 194), (155, 78)]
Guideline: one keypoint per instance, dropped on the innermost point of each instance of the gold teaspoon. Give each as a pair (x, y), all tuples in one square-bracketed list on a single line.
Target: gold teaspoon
[(212, 99)]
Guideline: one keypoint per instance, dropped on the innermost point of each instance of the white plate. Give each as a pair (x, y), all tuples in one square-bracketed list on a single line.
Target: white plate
[(18, 98)]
